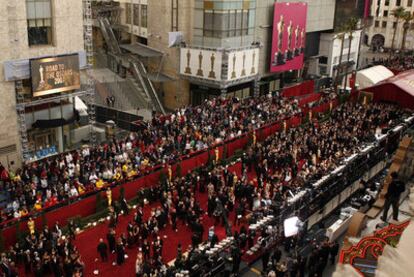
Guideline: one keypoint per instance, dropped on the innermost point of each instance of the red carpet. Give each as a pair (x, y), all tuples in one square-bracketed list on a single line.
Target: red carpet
[(87, 241)]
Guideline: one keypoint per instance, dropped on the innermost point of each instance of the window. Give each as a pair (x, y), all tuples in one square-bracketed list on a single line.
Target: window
[(376, 23), (384, 24), (39, 22), (387, 2), (241, 94), (274, 85), (385, 13), (144, 16), (322, 70), (323, 60), (409, 3), (226, 23), (136, 14), (394, 25), (128, 13), (398, 2)]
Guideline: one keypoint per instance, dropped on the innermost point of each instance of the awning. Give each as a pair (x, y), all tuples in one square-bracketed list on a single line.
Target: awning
[(142, 50), (120, 27), (373, 75), (81, 106), (53, 123), (159, 77), (107, 8)]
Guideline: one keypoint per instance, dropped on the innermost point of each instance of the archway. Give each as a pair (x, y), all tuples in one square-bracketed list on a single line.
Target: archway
[(377, 42)]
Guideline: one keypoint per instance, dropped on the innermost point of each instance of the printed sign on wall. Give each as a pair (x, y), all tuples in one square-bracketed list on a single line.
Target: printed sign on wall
[(243, 63), (201, 63)]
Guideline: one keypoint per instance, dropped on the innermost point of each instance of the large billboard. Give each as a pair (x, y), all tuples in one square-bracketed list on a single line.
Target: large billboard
[(200, 63), (289, 36), (54, 74)]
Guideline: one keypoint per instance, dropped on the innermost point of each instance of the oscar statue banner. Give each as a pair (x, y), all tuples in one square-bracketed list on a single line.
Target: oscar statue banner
[(289, 31)]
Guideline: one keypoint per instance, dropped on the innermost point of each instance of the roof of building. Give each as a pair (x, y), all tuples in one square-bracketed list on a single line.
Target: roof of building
[(404, 80)]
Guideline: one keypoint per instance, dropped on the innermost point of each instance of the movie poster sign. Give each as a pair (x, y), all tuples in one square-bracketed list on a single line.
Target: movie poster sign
[(54, 74), (289, 36)]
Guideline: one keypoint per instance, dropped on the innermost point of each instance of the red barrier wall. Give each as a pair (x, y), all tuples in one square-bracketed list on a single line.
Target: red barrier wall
[(299, 90)]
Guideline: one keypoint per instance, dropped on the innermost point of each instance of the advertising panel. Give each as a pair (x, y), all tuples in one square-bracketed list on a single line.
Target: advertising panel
[(199, 63), (243, 63), (54, 74), (289, 36)]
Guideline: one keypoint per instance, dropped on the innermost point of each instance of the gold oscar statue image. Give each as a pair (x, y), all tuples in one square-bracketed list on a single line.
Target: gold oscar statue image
[(42, 83), (233, 73), (212, 74), (253, 71), (279, 57), (290, 36), (302, 41), (297, 33), (200, 62), (188, 69), (243, 73)]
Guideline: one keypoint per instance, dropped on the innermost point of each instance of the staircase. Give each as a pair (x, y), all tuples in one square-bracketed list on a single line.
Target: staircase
[(109, 35), (128, 96), (141, 77)]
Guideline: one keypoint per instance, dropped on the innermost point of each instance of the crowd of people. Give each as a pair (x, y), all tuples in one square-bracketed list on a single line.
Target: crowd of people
[(288, 160), (47, 252), (318, 148), (322, 253), (66, 176), (396, 64), (284, 162)]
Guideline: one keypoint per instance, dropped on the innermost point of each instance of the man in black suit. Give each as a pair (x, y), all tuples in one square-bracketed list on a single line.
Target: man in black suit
[(103, 250), (392, 198), (111, 240)]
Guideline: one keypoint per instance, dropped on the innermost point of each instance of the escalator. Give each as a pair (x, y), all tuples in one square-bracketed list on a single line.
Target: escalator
[(141, 75), (109, 36)]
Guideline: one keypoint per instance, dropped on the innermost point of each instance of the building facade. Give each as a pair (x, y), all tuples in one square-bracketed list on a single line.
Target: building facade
[(32, 29), (329, 57), (384, 24), (213, 33)]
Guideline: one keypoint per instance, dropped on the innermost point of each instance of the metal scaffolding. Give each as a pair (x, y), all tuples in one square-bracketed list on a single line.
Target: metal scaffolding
[(21, 115), (87, 92), (88, 36)]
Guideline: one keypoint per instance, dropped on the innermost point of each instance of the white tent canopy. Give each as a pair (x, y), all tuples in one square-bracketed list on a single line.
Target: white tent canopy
[(80, 106), (371, 76)]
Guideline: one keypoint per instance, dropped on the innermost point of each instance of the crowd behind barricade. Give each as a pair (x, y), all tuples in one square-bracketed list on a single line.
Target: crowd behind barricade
[(319, 148), (396, 64), (285, 161), (44, 183), (288, 160)]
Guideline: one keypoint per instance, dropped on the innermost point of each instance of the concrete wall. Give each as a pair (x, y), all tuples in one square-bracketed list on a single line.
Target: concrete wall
[(176, 93), (330, 47), (67, 37)]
